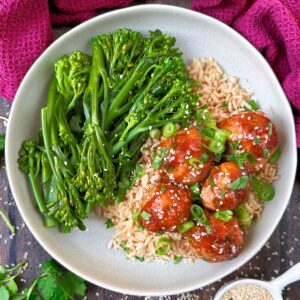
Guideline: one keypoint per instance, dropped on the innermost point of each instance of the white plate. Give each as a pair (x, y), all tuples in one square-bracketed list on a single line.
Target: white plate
[(86, 253)]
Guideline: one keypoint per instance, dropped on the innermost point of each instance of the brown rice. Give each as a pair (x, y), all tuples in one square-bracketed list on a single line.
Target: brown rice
[(225, 97)]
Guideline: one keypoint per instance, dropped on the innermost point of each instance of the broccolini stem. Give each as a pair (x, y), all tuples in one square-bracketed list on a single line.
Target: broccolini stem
[(37, 193)]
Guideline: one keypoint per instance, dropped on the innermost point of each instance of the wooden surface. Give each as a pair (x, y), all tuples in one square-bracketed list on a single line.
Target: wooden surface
[(278, 255)]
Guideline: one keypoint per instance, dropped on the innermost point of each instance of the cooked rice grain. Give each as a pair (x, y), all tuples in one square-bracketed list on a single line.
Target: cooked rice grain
[(225, 97)]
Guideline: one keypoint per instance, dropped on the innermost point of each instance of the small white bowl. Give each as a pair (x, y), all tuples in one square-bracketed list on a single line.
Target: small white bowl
[(86, 253)]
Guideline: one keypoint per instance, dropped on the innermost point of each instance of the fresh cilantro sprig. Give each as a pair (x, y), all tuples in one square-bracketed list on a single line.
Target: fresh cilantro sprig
[(53, 283)]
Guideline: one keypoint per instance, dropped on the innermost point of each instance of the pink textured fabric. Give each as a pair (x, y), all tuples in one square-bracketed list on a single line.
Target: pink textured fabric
[(25, 32), (273, 27)]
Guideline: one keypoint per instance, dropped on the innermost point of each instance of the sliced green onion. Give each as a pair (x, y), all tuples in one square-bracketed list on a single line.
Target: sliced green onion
[(222, 135), (217, 147), (155, 133), (270, 129), (109, 223), (140, 258), (240, 183), (241, 212), (218, 157), (163, 246), (158, 159), (234, 145), (266, 152), (124, 247), (169, 130), (146, 216), (202, 115), (275, 156), (186, 226), (195, 189), (136, 216), (177, 259), (208, 131), (263, 189), (254, 105), (198, 214), (224, 215), (257, 141)]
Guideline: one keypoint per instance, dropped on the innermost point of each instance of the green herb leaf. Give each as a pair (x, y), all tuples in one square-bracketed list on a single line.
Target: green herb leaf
[(224, 215), (146, 216), (124, 247), (266, 152), (4, 294), (254, 105), (240, 159), (275, 156), (234, 145), (109, 223), (240, 183), (177, 259), (257, 141), (140, 258), (157, 161)]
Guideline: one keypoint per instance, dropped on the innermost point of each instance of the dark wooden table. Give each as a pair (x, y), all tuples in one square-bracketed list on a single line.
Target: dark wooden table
[(278, 255)]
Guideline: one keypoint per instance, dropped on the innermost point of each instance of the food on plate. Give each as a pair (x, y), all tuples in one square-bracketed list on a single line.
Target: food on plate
[(179, 160), (186, 160), (165, 207), (223, 241), (226, 186)]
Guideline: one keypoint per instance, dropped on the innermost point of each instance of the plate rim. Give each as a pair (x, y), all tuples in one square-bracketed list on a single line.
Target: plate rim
[(9, 161)]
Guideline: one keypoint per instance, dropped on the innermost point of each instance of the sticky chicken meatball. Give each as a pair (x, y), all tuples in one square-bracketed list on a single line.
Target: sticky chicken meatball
[(224, 241), (254, 133), (165, 207), (226, 186), (187, 161)]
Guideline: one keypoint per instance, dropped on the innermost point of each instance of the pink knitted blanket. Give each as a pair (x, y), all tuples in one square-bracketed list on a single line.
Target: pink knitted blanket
[(272, 26)]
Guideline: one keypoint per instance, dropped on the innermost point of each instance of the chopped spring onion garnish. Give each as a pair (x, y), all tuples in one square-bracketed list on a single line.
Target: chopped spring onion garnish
[(198, 214), (155, 133), (263, 189), (140, 258), (240, 183), (275, 156), (224, 215), (195, 189), (186, 226), (270, 129), (163, 246), (146, 216), (266, 152), (234, 145), (257, 141), (240, 159), (157, 160), (136, 217), (216, 146), (177, 259), (254, 105), (169, 130), (218, 157), (243, 215), (202, 115), (7, 221), (109, 223), (124, 247)]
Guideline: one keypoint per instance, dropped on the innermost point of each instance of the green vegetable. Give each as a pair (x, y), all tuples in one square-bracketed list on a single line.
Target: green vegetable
[(163, 246), (240, 183), (8, 223), (244, 217), (202, 115), (195, 190), (136, 216), (97, 118), (234, 145), (199, 215), (257, 141), (124, 247), (109, 223), (266, 152), (140, 258), (270, 129), (240, 159), (177, 259), (155, 133), (186, 226), (158, 160), (224, 215), (263, 189), (53, 283), (169, 130), (275, 156), (146, 216), (254, 105)]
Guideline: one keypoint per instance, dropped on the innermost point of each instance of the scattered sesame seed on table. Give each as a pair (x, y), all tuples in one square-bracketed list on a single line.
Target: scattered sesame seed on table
[(280, 253)]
